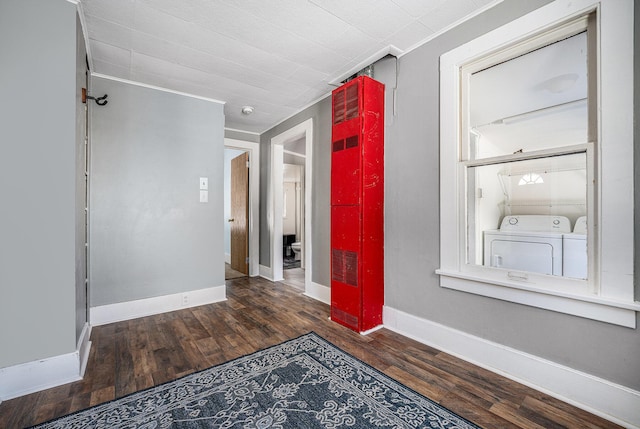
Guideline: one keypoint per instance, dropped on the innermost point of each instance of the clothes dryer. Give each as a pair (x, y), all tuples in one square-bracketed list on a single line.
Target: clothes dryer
[(574, 251), (531, 243)]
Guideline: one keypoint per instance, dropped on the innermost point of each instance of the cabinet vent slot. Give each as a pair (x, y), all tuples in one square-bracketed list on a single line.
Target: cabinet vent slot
[(343, 316), (338, 107), (338, 145), (344, 267), (352, 102), (351, 142)]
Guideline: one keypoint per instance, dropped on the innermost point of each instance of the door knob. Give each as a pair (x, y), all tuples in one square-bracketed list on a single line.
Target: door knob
[(230, 220)]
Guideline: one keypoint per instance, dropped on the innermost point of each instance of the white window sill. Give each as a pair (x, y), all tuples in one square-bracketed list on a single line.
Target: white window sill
[(594, 307)]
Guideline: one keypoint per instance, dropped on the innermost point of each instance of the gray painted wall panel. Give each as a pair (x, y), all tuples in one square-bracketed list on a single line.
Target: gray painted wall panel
[(150, 235), (412, 233), (37, 179), (241, 135)]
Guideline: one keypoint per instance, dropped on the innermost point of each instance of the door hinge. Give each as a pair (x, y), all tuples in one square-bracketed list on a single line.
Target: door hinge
[(246, 261), (248, 163)]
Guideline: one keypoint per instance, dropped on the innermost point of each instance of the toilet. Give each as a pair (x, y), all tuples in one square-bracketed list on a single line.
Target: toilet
[(296, 250), (574, 249)]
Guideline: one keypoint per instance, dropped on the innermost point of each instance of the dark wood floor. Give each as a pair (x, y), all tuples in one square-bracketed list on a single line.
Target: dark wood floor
[(133, 355)]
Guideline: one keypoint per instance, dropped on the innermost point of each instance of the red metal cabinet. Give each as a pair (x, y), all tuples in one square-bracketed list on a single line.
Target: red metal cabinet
[(357, 204)]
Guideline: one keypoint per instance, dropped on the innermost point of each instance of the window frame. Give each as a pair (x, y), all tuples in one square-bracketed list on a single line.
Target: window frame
[(608, 294)]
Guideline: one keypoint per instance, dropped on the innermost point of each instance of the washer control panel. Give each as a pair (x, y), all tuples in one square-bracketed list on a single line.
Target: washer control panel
[(536, 223)]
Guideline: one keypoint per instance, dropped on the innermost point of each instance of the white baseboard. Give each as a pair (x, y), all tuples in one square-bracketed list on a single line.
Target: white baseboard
[(266, 273), (84, 346), (30, 377), (320, 292), (227, 258), (609, 400), (103, 314)]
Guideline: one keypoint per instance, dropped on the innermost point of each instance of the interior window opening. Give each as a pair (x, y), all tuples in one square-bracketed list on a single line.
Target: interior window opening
[(527, 125)]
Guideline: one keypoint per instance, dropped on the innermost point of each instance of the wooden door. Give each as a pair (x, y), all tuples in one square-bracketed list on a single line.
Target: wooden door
[(240, 213)]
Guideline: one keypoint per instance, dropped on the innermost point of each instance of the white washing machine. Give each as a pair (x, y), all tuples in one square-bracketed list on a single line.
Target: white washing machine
[(574, 251), (530, 243)]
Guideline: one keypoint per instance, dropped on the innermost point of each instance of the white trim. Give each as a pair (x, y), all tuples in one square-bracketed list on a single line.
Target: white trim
[(23, 379), (85, 33), (276, 210), (84, 346), (265, 273), (157, 88), (588, 306), (372, 330), (254, 201), (274, 199), (609, 400), (30, 377), (319, 292), (103, 314), (253, 133)]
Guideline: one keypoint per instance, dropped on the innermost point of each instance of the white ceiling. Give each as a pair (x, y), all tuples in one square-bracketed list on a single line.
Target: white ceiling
[(277, 56)]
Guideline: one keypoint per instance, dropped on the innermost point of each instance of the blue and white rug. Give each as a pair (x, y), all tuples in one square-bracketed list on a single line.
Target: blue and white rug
[(302, 383)]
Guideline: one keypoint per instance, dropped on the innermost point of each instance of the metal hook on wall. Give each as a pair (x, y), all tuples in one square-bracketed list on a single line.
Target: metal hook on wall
[(100, 101)]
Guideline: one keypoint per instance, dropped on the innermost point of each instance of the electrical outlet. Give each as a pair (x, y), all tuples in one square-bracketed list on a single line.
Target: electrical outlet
[(185, 299)]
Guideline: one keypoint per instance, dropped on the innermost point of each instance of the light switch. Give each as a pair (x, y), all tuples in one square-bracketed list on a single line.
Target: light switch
[(204, 183), (204, 196)]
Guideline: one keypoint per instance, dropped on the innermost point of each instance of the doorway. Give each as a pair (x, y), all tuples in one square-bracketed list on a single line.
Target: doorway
[(297, 142), (241, 221), (238, 219)]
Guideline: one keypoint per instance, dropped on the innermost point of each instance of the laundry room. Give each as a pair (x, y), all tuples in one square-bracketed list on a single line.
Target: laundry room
[(529, 156)]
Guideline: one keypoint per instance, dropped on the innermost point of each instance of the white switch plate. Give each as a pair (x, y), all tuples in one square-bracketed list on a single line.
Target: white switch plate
[(204, 196), (204, 183)]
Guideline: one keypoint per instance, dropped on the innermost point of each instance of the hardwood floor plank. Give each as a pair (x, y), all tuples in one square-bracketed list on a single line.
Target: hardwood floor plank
[(563, 413), (510, 412), (136, 354)]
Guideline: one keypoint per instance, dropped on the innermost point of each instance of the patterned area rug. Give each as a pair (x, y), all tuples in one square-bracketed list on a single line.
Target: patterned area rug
[(302, 383)]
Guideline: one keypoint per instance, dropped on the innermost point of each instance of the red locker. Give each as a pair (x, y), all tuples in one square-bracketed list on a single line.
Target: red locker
[(357, 204)]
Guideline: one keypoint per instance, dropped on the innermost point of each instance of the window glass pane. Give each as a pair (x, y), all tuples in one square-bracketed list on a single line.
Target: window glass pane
[(521, 215), (535, 101)]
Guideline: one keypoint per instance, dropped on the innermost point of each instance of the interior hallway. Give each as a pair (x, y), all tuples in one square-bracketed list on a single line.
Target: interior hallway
[(136, 354)]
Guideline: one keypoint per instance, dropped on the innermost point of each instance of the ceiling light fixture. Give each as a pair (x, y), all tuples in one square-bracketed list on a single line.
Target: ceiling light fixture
[(247, 110)]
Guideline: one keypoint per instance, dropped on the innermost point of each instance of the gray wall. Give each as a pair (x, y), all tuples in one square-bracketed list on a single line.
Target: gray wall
[(150, 235), (241, 135), (412, 233), (321, 189), (37, 179)]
